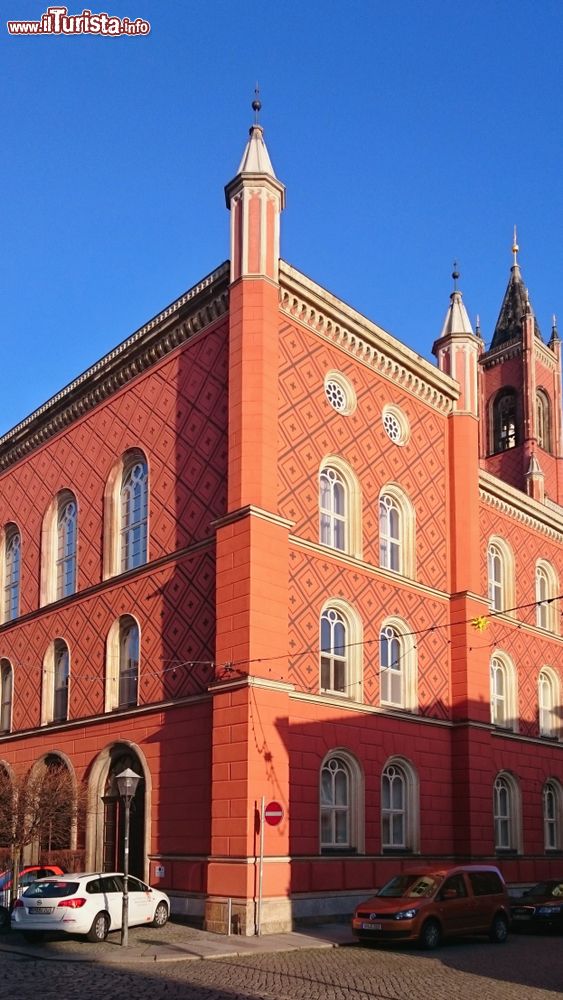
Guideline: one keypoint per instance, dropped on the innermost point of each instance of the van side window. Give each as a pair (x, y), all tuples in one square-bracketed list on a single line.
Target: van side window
[(454, 885), (485, 883)]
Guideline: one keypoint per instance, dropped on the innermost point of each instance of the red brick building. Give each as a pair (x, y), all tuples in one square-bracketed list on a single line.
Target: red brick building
[(264, 550)]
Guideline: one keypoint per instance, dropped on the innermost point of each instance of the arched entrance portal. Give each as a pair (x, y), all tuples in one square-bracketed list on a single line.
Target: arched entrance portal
[(122, 757)]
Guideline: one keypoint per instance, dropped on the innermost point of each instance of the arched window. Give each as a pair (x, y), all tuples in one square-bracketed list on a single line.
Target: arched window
[(341, 803), (134, 513), (505, 427), (6, 695), (500, 567), (66, 547), (552, 815), (56, 681), (122, 664), (546, 591), (504, 695), (59, 548), (398, 668), (548, 699), (506, 813), (11, 572), (397, 545), (340, 644), (333, 509), (543, 420), (399, 807), (340, 513), (126, 509)]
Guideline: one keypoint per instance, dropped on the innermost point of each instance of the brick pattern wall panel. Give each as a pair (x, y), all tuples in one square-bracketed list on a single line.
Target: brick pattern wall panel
[(175, 609), (310, 429), (176, 412), (314, 580), (530, 650)]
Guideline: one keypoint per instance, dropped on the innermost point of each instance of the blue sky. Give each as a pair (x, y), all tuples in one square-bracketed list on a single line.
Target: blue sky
[(407, 135)]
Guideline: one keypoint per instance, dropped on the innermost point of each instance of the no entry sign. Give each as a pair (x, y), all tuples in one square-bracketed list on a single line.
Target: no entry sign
[(273, 813)]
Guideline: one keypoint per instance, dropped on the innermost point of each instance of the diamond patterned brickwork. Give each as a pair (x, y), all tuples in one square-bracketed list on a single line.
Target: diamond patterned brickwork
[(176, 413), (529, 650), (314, 579), (310, 429), (174, 606)]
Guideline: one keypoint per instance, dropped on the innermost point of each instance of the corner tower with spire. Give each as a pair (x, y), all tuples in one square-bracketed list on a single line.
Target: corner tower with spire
[(521, 397)]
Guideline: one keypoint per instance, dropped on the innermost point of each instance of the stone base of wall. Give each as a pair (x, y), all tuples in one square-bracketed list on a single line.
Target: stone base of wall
[(275, 916)]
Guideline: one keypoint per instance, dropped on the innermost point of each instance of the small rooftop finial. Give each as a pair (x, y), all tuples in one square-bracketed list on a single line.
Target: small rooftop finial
[(257, 103), (515, 247), (455, 275), (478, 325)]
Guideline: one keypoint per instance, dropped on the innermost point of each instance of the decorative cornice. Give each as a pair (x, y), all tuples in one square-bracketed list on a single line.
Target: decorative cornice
[(511, 349), (251, 511), (182, 319), (307, 303), (521, 507)]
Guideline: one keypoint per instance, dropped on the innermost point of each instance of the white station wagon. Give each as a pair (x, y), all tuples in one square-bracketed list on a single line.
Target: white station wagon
[(89, 904)]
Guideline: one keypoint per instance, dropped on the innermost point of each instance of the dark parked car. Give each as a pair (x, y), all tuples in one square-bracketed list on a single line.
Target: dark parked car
[(28, 874), (541, 907)]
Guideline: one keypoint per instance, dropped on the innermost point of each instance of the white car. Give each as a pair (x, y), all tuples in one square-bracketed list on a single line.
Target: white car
[(89, 904)]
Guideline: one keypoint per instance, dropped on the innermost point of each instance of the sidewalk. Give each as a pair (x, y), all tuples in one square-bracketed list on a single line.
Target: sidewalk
[(174, 943)]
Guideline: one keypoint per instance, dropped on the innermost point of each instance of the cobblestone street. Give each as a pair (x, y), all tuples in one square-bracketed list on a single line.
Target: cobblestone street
[(526, 968)]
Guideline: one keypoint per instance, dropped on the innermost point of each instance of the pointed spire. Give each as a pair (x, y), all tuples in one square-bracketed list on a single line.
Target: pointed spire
[(456, 320), (515, 305), (554, 333), (256, 159)]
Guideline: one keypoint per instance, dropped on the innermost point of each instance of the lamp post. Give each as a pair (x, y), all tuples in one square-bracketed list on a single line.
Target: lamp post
[(127, 783)]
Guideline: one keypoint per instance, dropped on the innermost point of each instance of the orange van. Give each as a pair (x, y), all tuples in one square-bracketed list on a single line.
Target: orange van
[(429, 905)]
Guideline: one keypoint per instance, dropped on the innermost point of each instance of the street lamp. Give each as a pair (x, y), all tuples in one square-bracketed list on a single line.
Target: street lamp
[(127, 783)]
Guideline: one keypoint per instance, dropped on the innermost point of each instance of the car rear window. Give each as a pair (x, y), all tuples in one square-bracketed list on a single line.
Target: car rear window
[(485, 883), (51, 890)]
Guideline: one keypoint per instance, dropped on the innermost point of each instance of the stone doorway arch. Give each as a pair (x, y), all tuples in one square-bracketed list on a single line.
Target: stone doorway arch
[(104, 827)]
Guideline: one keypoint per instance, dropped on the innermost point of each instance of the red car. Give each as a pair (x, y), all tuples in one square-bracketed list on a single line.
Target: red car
[(28, 874)]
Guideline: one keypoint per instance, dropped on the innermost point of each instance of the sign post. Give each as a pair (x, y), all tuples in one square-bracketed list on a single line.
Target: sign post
[(272, 814)]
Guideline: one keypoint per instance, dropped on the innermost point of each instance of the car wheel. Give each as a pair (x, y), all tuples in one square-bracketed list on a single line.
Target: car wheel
[(160, 915), (499, 929), (99, 929), (430, 935), (4, 919), (32, 936)]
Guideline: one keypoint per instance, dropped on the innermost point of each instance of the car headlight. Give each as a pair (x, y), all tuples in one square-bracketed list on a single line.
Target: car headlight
[(547, 911), (405, 914)]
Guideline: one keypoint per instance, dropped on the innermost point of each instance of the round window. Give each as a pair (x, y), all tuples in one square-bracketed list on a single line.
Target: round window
[(395, 424), (340, 393)]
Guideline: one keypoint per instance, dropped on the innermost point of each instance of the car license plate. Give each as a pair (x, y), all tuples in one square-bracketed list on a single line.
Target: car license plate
[(371, 927), (522, 916), (41, 909)]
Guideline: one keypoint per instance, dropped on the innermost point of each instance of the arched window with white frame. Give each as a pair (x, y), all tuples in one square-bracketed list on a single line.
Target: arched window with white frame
[(552, 797), (11, 573), (340, 513), (400, 819), (397, 541), (507, 813), (6, 695), (500, 569), (547, 590), (56, 683), (126, 514), (340, 650), (548, 701), (504, 692), (341, 803), (398, 665), (123, 653), (59, 548)]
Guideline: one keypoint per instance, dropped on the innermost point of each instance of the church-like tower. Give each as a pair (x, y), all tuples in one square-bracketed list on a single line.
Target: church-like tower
[(521, 397)]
